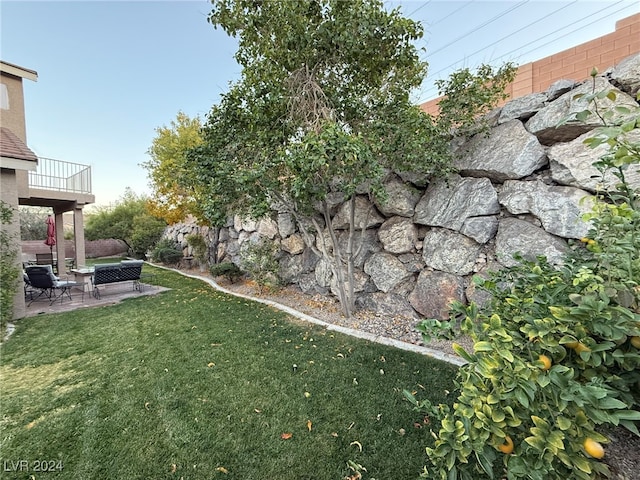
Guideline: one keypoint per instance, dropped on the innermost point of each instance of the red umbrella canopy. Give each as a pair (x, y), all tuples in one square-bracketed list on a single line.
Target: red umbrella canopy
[(51, 232)]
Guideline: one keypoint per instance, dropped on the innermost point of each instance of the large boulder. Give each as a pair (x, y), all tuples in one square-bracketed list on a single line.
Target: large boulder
[(522, 108), (387, 304), (626, 75), (572, 164), (559, 209), (481, 229), (293, 244), (386, 271), (267, 228), (509, 152), (434, 292), (449, 251), (545, 123), (398, 235), (401, 198), (448, 203), (366, 215), (519, 236)]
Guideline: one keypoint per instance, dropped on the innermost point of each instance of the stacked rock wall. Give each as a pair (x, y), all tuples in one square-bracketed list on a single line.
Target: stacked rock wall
[(523, 188)]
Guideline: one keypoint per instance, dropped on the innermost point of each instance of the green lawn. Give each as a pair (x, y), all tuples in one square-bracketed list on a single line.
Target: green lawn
[(194, 384)]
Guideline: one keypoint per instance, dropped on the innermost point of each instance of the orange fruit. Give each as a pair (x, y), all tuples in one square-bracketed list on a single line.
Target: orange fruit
[(635, 341), (546, 362), (506, 447), (593, 448), (581, 347)]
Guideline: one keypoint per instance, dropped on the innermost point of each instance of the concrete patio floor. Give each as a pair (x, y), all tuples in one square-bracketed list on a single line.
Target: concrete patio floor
[(109, 294)]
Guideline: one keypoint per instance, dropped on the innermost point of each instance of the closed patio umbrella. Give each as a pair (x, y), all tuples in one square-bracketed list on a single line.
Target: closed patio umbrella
[(51, 234)]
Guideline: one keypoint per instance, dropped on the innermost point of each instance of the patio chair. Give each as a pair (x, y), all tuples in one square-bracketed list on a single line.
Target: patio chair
[(43, 281), (47, 259)]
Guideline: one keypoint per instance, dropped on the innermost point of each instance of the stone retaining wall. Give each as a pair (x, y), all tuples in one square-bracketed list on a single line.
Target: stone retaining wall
[(521, 189)]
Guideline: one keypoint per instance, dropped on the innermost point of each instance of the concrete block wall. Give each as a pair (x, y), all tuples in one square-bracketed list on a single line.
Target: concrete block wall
[(573, 63)]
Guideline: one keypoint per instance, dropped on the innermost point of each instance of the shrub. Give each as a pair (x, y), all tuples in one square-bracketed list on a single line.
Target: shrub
[(167, 251), (555, 351), (260, 261), (199, 247), (8, 269), (227, 269)]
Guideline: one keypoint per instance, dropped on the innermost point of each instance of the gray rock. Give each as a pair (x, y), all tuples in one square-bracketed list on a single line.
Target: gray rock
[(522, 108), (267, 228), (402, 198), (418, 179), (387, 304), (481, 229), (359, 282), (323, 273), (509, 152), (398, 235), (559, 209), (450, 252), (434, 293), (293, 266), (560, 87), (412, 262), (519, 236), (544, 124), (449, 204), (286, 224), (386, 271), (246, 224), (366, 215), (626, 75), (572, 164)]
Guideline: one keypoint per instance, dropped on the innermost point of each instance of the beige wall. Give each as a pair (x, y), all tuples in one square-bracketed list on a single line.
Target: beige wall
[(13, 119), (574, 63)]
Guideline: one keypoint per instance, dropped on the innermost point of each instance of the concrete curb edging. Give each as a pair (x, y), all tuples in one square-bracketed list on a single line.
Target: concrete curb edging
[(410, 347)]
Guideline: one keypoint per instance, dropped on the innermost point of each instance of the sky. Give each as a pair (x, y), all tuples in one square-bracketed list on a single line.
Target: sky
[(111, 72)]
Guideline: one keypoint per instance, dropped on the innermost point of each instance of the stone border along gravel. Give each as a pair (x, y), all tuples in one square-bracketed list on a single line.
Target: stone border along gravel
[(410, 347)]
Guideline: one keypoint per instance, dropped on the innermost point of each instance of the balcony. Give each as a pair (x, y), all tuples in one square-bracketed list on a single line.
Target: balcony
[(61, 176)]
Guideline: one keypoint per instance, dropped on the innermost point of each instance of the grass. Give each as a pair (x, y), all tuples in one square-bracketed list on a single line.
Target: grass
[(194, 384)]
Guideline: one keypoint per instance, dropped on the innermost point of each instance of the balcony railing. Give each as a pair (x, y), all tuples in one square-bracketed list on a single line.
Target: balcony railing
[(61, 176)]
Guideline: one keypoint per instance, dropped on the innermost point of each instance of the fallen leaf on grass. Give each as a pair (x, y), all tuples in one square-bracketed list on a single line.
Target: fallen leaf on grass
[(307, 394), (309, 424), (286, 436), (174, 467), (334, 434), (222, 469), (211, 364), (257, 410), (359, 445), (146, 405)]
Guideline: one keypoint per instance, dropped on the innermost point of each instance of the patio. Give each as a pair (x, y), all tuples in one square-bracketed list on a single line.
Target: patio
[(109, 295)]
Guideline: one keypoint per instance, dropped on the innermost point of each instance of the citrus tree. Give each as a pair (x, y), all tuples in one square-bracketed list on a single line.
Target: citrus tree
[(321, 114), (557, 351)]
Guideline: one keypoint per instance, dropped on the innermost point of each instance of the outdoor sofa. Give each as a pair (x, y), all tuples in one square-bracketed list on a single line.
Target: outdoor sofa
[(125, 271)]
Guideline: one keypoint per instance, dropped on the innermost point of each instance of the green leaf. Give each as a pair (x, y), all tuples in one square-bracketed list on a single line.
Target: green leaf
[(483, 346)]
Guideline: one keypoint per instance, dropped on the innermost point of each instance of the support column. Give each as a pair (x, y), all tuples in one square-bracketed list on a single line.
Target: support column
[(9, 195), (60, 251), (78, 236)]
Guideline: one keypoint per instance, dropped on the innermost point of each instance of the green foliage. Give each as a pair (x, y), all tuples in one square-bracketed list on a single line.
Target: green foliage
[(228, 270), (322, 107), (33, 224), (199, 246), (260, 261), (173, 197), (8, 269), (583, 317), (467, 95), (130, 221), (167, 251)]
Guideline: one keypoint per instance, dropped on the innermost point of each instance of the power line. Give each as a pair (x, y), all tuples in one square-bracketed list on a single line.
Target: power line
[(425, 93), (502, 14)]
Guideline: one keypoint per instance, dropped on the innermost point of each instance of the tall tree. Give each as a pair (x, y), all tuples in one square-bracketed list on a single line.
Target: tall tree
[(172, 198), (128, 220), (323, 107)]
